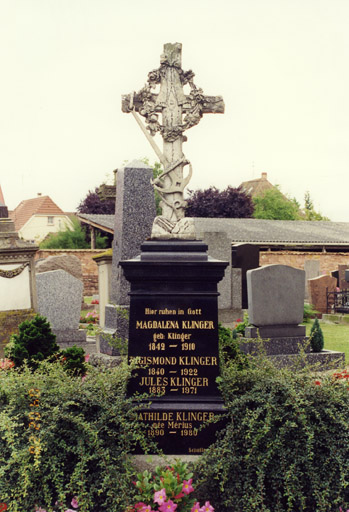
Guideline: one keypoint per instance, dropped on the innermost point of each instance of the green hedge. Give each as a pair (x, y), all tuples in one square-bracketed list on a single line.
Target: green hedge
[(286, 446), (63, 436)]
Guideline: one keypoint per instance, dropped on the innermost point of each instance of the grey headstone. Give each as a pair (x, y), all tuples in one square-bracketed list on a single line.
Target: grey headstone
[(59, 300), (134, 216), (67, 262), (275, 295)]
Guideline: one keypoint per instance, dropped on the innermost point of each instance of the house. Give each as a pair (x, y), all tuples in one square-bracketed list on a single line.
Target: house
[(258, 186), (35, 218)]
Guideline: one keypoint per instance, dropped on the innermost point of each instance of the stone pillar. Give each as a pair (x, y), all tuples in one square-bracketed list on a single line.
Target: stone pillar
[(17, 276), (104, 263), (134, 216)]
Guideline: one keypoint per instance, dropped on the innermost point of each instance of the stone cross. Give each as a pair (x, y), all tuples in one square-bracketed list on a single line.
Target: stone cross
[(172, 103)]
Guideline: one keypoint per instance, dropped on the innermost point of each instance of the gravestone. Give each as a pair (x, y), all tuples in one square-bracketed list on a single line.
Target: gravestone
[(275, 307), (67, 262), (275, 301), (312, 269), (17, 279), (134, 216), (173, 297), (318, 288), (343, 284), (246, 257), (59, 300), (335, 274), (174, 331)]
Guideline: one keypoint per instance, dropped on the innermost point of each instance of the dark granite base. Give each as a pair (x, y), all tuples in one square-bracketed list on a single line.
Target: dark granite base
[(275, 346), (275, 331), (325, 360)]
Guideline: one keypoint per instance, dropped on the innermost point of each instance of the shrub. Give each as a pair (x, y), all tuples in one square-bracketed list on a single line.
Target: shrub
[(229, 348), (316, 337), (309, 312), (74, 360), (285, 447), (62, 437), (211, 202), (35, 342)]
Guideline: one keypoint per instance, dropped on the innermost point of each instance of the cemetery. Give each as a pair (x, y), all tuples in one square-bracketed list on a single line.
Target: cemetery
[(202, 387)]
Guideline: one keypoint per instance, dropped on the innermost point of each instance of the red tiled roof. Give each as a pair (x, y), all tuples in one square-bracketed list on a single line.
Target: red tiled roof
[(41, 205), (2, 200), (258, 186)]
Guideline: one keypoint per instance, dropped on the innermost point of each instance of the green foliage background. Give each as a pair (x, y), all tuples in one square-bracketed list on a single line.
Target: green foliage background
[(286, 445), (72, 239), (87, 430)]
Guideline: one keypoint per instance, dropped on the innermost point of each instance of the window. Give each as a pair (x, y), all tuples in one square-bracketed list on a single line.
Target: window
[(50, 221)]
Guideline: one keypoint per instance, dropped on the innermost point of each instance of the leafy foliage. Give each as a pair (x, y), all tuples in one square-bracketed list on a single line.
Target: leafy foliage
[(316, 337), (229, 348), (310, 213), (230, 203), (71, 239), (308, 312), (275, 206), (74, 360), (285, 447), (92, 203), (35, 342), (85, 434)]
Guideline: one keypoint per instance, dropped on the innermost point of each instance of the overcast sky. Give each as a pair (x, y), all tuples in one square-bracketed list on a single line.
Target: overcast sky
[(282, 67)]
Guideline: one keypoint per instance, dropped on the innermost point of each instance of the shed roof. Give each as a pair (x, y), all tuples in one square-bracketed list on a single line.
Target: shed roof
[(276, 232), (103, 222), (260, 231)]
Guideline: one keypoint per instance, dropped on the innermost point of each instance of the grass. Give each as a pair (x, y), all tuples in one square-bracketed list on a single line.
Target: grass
[(336, 337)]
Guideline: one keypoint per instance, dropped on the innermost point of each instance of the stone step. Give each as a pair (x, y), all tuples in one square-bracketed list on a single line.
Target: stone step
[(89, 345), (324, 360)]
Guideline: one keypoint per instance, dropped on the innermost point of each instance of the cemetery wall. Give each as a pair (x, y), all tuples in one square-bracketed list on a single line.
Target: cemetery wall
[(89, 266), (328, 261)]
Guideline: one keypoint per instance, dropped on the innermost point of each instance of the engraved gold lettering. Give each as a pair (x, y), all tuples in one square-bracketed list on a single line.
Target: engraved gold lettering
[(157, 324), (198, 360), (197, 324), (189, 381)]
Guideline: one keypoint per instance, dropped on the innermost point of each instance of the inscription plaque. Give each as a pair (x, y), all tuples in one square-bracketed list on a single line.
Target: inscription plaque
[(174, 334)]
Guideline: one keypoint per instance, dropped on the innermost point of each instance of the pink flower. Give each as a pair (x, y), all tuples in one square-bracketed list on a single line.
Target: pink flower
[(74, 502), (140, 506), (168, 506), (160, 497), (87, 358), (196, 507), (207, 507), (187, 487)]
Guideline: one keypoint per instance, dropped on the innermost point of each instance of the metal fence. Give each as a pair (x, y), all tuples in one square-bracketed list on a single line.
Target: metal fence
[(337, 302)]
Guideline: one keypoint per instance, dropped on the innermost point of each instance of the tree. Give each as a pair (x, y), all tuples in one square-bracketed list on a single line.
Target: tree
[(310, 213), (230, 203), (95, 205), (316, 337), (274, 205), (35, 342), (72, 239)]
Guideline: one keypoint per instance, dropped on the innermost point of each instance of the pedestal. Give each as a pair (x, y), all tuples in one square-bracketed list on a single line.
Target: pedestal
[(174, 332)]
